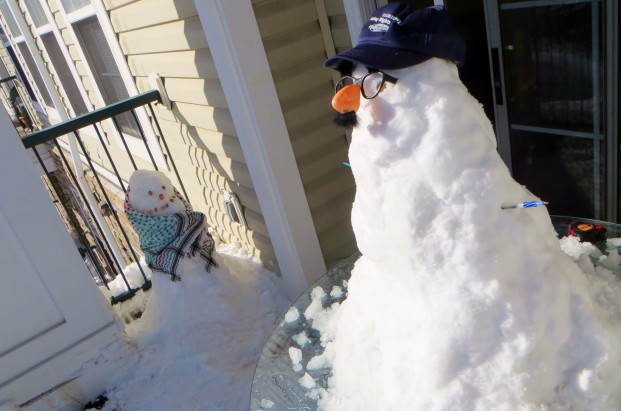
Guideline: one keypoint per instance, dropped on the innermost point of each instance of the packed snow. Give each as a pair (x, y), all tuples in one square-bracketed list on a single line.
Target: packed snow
[(457, 303), (199, 339)]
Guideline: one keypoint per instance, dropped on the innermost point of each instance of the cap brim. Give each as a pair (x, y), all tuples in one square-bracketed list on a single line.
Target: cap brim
[(377, 57)]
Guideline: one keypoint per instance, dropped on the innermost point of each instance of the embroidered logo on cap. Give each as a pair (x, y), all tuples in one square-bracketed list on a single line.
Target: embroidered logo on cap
[(378, 27), (382, 23)]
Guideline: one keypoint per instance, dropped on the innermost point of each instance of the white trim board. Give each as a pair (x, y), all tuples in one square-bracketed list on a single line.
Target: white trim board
[(235, 43)]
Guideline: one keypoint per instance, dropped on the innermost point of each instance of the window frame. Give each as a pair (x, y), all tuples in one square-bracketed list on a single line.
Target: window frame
[(94, 9), (13, 42), (136, 145)]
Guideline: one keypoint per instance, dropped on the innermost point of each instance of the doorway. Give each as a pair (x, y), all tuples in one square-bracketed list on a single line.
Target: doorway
[(554, 106)]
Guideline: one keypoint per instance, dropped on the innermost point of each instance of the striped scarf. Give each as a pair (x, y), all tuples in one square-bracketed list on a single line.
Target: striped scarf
[(165, 239)]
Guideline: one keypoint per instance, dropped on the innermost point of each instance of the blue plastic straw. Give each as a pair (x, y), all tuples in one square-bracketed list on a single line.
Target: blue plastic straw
[(347, 165), (526, 204)]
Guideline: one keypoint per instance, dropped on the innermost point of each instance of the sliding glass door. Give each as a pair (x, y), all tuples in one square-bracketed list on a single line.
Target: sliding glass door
[(549, 62)]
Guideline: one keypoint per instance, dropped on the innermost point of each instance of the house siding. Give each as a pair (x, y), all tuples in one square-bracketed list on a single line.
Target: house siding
[(295, 48), (338, 25), (166, 37)]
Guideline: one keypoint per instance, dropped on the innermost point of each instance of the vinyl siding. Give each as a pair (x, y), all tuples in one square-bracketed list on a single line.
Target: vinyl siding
[(295, 49), (338, 25), (166, 37)]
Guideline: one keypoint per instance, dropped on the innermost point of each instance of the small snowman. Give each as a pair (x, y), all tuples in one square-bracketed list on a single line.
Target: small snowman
[(173, 237)]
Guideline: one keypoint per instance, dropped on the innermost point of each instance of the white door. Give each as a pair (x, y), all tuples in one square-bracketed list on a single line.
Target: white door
[(48, 301)]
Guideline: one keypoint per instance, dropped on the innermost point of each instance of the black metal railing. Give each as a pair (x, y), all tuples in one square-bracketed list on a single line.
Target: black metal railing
[(105, 257)]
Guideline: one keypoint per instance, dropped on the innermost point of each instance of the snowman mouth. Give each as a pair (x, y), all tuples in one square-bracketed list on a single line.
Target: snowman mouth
[(347, 120), (162, 207)]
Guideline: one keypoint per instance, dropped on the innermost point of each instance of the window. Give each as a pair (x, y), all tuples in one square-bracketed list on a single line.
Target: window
[(107, 76), (8, 17), (64, 73), (36, 13), (28, 59), (36, 75)]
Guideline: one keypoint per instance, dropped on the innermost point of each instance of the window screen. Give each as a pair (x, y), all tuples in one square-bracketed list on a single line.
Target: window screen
[(8, 17), (64, 73), (20, 73), (4, 73), (32, 67), (104, 68), (36, 12)]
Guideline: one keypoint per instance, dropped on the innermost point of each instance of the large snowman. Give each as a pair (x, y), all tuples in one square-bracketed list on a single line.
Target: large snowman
[(457, 302)]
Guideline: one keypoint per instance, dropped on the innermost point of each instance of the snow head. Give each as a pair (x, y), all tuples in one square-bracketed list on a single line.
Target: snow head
[(456, 303), (152, 193), (395, 37)]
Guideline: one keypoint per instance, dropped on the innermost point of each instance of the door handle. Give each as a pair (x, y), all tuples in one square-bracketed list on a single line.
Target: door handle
[(496, 76)]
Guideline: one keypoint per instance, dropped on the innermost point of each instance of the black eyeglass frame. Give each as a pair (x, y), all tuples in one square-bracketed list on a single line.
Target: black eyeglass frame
[(385, 78)]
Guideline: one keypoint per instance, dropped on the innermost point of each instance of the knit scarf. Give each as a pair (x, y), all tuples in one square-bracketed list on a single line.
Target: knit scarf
[(165, 239)]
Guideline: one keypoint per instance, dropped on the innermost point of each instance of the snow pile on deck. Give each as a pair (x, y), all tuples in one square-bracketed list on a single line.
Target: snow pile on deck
[(199, 339)]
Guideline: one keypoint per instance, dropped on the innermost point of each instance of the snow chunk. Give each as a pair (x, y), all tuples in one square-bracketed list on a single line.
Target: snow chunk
[(313, 309), (134, 278), (318, 362), (295, 354), (613, 242), (307, 381), (317, 293), (301, 339), (584, 379), (316, 393), (572, 246), (292, 315), (336, 292)]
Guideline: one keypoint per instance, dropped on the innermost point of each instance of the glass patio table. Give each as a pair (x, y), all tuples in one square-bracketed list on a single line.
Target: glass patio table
[(275, 386)]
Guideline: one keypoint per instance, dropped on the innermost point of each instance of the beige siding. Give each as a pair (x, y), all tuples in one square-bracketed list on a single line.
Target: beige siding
[(295, 48), (166, 37), (338, 25)]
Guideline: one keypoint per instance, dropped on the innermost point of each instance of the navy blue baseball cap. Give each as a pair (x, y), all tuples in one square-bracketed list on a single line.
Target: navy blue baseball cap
[(396, 36)]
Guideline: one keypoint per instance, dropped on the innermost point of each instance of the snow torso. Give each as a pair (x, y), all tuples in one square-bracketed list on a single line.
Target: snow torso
[(457, 303)]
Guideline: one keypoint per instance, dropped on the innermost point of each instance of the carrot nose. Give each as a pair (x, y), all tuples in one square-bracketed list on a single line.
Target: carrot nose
[(347, 99), (161, 196)]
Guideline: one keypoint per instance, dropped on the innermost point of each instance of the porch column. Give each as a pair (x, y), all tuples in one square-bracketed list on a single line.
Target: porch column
[(235, 43)]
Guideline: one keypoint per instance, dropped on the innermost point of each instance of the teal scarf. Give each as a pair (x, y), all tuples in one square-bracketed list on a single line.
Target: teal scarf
[(165, 239)]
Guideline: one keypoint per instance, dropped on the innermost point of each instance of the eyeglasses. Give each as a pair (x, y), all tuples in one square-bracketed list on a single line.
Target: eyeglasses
[(371, 84)]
